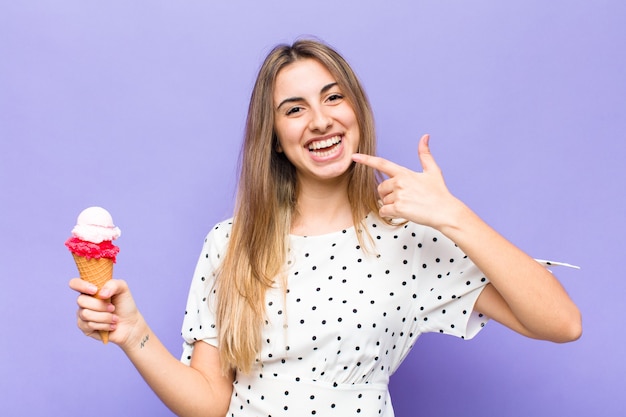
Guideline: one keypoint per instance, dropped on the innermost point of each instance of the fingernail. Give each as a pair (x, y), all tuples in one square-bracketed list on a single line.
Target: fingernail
[(105, 293), (92, 289)]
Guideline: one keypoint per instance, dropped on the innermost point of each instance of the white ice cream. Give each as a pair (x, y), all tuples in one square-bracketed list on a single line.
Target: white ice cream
[(95, 224)]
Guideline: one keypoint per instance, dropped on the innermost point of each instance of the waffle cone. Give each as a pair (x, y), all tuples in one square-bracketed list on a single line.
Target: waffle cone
[(97, 272)]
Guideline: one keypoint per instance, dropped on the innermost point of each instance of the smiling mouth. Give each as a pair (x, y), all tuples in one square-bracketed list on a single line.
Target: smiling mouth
[(325, 147)]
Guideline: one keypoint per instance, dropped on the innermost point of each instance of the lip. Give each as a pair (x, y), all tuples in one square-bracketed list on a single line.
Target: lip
[(336, 151)]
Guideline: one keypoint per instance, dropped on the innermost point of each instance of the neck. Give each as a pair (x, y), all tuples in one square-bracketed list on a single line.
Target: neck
[(322, 208)]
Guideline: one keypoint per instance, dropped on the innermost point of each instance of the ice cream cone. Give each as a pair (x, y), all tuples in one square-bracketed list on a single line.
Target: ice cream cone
[(97, 272)]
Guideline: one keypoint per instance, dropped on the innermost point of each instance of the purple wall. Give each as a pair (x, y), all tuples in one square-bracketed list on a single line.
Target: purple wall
[(139, 107)]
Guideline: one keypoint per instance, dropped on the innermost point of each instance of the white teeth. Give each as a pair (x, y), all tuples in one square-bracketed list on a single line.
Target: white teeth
[(323, 154), (324, 143)]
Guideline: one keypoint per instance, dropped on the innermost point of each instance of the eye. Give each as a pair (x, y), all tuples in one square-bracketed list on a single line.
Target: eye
[(293, 110), (334, 97)]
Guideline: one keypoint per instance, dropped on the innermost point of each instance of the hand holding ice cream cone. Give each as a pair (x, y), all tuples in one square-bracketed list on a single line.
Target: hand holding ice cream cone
[(92, 248)]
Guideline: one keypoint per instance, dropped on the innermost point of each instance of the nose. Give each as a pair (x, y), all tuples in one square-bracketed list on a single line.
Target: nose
[(320, 120)]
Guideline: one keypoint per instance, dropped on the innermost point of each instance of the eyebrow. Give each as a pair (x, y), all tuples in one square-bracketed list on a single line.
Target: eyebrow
[(296, 99)]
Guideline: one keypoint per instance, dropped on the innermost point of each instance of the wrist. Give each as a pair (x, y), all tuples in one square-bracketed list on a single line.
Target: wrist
[(139, 331), (456, 216)]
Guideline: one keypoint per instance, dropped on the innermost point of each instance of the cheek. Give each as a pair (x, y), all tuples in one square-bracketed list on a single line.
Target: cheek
[(348, 117), (283, 144), (288, 134), (349, 121)]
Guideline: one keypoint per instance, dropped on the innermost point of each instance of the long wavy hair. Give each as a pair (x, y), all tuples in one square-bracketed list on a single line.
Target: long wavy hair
[(266, 202)]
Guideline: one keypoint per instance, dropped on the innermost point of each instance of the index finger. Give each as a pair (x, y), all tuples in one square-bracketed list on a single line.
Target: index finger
[(381, 164), (83, 286)]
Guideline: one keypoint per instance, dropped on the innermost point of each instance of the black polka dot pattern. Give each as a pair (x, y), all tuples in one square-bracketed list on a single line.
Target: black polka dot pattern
[(348, 319)]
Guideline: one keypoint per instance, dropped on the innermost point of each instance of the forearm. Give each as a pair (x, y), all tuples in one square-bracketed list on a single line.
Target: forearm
[(528, 298), (534, 296), (183, 389)]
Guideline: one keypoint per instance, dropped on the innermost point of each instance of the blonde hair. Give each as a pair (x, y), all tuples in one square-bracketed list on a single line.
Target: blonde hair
[(266, 201)]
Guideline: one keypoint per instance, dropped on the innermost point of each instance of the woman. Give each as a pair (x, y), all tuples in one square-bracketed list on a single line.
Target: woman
[(310, 297)]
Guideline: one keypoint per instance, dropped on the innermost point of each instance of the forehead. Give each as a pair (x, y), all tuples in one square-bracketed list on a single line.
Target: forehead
[(302, 78)]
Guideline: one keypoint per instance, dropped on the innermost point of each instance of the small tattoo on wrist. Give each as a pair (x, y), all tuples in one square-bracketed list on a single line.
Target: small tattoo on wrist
[(144, 341)]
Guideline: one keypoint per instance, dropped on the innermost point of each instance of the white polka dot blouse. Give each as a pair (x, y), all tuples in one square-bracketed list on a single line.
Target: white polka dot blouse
[(349, 317)]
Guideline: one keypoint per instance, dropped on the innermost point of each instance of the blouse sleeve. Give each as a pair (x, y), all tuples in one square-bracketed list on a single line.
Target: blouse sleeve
[(199, 321), (448, 285)]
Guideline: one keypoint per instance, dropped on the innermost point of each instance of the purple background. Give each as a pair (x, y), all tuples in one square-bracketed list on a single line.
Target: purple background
[(139, 107)]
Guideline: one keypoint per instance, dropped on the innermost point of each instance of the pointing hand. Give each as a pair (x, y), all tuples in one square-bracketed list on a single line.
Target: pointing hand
[(421, 197)]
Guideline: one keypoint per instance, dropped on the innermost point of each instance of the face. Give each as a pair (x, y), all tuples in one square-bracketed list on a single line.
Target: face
[(316, 126)]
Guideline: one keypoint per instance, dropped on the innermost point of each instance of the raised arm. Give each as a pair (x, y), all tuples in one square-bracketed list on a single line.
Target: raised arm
[(196, 390), (522, 295)]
